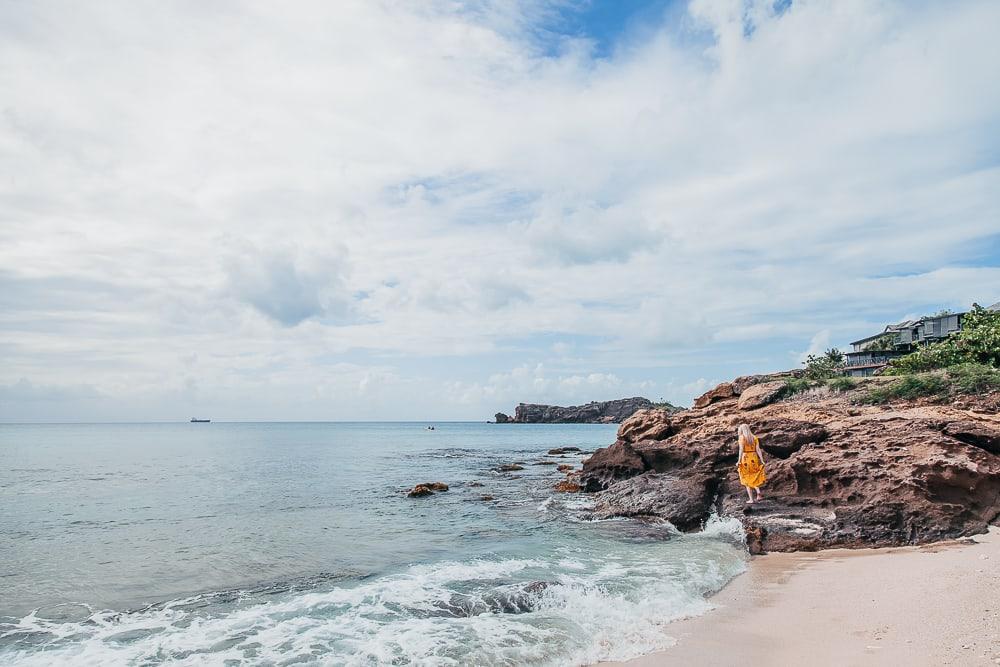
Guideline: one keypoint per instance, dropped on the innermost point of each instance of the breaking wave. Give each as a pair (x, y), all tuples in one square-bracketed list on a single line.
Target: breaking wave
[(571, 605)]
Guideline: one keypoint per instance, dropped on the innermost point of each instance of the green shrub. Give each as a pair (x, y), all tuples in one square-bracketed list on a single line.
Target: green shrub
[(841, 383), (979, 339), (908, 387), (931, 357), (974, 378), (797, 386)]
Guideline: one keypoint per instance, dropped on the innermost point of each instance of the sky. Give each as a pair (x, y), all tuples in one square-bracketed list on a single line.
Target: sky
[(367, 210)]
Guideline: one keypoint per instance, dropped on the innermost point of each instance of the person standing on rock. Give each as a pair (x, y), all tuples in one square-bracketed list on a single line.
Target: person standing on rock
[(750, 464)]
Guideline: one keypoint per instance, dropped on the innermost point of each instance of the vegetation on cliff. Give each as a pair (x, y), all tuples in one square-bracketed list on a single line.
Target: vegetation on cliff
[(977, 343)]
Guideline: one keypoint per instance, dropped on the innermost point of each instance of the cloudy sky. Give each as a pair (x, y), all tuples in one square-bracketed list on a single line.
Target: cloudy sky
[(432, 210)]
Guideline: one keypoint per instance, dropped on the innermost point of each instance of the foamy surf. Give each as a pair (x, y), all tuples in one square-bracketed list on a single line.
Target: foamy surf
[(569, 606)]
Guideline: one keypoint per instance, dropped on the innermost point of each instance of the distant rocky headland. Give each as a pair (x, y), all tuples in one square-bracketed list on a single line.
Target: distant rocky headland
[(596, 412), (875, 462)]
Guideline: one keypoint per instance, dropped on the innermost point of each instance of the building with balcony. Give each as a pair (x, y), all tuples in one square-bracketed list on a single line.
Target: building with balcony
[(870, 355)]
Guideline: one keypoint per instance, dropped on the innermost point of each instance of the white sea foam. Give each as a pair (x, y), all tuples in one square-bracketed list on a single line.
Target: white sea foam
[(563, 610)]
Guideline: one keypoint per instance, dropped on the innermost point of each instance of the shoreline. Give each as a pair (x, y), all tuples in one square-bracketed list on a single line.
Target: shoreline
[(935, 604)]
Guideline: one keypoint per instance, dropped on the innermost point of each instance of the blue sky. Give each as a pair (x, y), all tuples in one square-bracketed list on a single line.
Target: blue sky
[(360, 210)]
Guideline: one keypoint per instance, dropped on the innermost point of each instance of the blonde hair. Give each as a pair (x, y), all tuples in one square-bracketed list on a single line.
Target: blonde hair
[(745, 434)]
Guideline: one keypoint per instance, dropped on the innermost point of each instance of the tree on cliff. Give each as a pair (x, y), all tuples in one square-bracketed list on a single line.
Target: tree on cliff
[(825, 366)]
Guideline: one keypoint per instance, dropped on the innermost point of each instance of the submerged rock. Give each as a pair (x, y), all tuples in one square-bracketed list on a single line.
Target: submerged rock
[(427, 489), (509, 467), (567, 486)]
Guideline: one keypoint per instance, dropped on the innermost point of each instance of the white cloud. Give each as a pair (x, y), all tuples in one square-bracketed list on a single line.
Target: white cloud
[(429, 194)]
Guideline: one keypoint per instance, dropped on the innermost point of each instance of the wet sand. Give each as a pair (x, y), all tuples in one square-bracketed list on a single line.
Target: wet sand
[(932, 605)]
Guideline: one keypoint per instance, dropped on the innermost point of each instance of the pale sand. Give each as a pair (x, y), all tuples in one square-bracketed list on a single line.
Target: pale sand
[(931, 605)]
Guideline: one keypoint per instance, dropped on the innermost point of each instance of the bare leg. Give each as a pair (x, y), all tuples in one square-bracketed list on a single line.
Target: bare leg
[(759, 497), (749, 495)]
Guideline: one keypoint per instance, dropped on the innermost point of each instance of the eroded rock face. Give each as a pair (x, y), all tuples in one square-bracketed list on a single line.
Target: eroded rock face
[(651, 424), (974, 433), (759, 395), (839, 474), (609, 465), (683, 500), (783, 437), (724, 390), (501, 418)]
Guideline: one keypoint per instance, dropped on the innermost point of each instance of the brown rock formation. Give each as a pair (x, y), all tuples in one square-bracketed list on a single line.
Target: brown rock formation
[(651, 424), (567, 486), (759, 395), (597, 412), (839, 474), (611, 464), (427, 489), (720, 392)]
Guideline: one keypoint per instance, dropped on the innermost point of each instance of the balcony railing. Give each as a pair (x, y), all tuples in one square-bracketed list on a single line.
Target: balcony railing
[(872, 358)]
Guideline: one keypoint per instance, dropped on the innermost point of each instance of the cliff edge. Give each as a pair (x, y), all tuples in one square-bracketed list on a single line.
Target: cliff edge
[(596, 412), (841, 472)]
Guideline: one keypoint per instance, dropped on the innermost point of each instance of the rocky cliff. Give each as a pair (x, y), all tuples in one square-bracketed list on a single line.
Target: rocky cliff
[(604, 412), (840, 474)]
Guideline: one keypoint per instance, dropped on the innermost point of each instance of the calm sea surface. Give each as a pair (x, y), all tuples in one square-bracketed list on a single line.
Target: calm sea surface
[(284, 543)]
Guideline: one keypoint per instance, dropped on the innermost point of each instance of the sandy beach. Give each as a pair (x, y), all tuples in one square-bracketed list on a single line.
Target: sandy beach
[(931, 605)]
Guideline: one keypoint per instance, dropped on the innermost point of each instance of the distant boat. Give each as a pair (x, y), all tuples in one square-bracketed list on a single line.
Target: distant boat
[(195, 420)]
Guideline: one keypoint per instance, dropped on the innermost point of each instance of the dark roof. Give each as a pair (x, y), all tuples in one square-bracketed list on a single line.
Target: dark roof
[(892, 328)]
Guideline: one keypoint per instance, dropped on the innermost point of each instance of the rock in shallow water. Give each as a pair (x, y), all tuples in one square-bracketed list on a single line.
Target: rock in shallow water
[(427, 489), (684, 501)]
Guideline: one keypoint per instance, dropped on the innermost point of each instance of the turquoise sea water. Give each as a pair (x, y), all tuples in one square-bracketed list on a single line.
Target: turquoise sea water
[(284, 543)]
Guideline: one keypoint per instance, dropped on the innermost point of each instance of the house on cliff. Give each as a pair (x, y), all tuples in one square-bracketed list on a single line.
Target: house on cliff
[(870, 355)]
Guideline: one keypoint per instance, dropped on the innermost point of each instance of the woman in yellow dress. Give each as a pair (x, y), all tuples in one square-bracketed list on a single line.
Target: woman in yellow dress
[(750, 464)]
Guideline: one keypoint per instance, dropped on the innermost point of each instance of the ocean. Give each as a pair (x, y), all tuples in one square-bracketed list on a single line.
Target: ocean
[(295, 543)]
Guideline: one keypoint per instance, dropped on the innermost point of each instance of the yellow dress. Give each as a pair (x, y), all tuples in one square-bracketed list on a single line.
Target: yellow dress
[(750, 468)]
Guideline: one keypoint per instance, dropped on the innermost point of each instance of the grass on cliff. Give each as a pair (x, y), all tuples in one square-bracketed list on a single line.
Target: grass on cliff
[(959, 379), (841, 384)]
